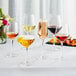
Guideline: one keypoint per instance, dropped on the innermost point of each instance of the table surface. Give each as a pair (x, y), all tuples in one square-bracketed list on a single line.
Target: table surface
[(46, 56)]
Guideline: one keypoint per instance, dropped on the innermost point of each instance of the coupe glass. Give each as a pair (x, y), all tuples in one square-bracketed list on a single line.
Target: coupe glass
[(29, 23), (26, 41), (12, 32), (63, 35), (42, 30)]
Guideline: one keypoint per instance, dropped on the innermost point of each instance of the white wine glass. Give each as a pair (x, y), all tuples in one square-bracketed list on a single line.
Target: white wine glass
[(29, 23)]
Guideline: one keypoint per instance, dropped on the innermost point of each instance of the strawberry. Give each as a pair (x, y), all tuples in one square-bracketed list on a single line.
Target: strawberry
[(68, 42)]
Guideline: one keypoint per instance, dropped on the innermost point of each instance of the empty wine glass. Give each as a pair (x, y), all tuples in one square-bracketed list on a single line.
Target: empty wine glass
[(63, 35), (29, 23), (26, 41), (42, 30)]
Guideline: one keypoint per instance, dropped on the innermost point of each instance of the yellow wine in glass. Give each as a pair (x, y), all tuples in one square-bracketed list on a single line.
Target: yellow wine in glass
[(26, 41), (28, 28), (29, 23)]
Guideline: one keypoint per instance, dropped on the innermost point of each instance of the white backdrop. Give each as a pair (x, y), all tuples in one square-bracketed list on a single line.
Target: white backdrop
[(69, 15), (42, 8)]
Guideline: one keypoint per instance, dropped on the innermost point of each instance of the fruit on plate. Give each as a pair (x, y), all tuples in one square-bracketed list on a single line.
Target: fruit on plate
[(52, 40), (68, 41), (73, 43)]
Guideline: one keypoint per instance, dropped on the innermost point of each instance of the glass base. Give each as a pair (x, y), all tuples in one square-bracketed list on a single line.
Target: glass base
[(27, 62)]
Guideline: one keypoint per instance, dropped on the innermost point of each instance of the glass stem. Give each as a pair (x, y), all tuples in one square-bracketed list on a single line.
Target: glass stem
[(62, 49), (26, 56), (42, 42), (54, 40), (61, 44), (28, 33), (12, 43)]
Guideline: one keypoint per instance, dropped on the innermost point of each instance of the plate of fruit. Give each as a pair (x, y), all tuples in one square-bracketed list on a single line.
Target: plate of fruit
[(68, 42)]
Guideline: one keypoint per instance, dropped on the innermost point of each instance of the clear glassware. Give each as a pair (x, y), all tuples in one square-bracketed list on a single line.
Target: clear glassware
[(63, 35), (29, 23), (54, 25), (12, 33), (42, 30), (26, 41)]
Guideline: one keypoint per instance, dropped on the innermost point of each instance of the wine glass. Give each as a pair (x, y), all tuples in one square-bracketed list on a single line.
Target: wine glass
[(63, 35), (26, 41), (29, 23), (42, 30), (54, 25), (12, 32)]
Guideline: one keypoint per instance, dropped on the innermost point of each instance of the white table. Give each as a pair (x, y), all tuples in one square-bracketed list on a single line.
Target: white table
[(52, 57), (50, 65)]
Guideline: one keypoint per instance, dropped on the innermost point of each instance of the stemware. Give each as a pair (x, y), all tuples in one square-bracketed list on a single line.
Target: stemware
[(63, 35), (54, 25), (29, 23), (12, 32), (26, 41), (42, 30)]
